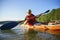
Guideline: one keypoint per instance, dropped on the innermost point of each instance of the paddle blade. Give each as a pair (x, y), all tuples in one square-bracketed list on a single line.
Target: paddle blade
[(9, 25), (47, 11)]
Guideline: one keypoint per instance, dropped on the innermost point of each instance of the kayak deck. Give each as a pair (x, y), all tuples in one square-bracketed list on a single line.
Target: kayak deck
[(41, 27)]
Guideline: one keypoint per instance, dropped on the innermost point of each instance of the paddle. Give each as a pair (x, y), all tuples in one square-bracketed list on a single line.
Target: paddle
[(42, 13), (11, 25), (37, 15)]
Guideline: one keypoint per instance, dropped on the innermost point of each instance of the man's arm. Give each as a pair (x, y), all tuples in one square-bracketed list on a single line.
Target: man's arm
[(38, 16)]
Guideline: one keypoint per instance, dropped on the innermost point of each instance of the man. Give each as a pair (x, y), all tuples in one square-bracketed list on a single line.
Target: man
[(30, 18)]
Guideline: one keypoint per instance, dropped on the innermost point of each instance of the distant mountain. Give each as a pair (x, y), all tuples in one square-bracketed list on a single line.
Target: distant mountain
[(54, 14), (2, 22)]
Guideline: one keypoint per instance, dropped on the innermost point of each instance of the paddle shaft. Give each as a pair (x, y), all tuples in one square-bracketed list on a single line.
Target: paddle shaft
[(37, 16)]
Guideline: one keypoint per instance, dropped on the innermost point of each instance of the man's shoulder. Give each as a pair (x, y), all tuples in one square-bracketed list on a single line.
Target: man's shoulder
[(32, 14)]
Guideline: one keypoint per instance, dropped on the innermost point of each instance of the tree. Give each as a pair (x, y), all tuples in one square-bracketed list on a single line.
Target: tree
[(53, 15)]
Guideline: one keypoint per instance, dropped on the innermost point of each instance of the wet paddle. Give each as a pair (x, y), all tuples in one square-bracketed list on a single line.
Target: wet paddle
[(10, 25)]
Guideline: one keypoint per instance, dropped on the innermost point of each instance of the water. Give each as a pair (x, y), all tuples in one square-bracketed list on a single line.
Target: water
[(18, 33)]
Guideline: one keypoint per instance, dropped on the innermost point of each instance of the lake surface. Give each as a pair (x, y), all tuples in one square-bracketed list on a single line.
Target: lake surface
[(18, 33)]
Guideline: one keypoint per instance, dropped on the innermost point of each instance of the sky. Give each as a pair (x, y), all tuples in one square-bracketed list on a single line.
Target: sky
[(17, 9)]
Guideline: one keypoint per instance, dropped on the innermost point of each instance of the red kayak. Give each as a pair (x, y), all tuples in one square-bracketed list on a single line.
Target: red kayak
[(41, 27)]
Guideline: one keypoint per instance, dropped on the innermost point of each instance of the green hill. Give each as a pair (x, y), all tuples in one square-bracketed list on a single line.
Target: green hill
[(54, 14)]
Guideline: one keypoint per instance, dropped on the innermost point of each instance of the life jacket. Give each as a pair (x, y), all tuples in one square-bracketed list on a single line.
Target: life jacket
[(30, 19)]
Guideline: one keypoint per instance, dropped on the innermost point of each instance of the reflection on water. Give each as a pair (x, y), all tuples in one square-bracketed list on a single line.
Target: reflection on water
[(19, 34), (41, 36)]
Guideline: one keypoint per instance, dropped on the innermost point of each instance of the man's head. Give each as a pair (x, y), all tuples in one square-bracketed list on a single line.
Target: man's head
[(29, 11)]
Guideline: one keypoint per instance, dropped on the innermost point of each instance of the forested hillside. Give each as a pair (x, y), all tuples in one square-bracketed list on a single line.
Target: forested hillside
[(54, 14)]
